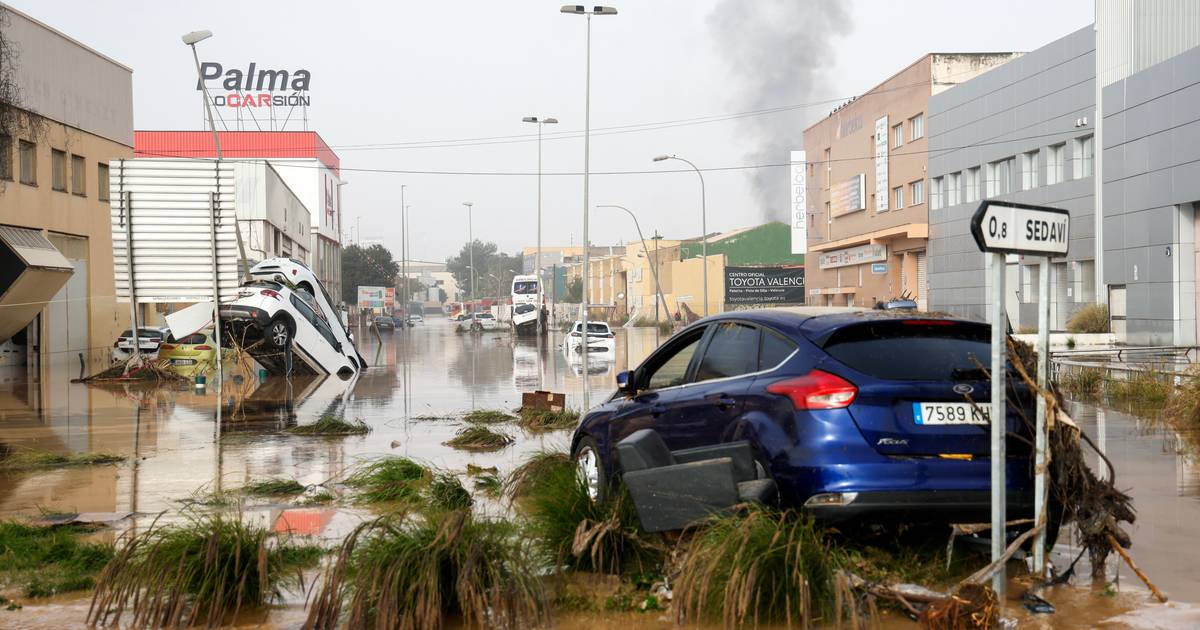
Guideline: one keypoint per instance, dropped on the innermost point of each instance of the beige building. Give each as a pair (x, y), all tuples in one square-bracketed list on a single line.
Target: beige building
[(54, 206), (868, 222)]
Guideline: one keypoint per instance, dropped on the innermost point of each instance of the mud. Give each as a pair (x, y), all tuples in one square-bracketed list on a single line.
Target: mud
[(180, 440)]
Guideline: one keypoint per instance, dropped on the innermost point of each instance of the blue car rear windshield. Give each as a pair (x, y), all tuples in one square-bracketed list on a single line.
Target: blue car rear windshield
[(914, 350)]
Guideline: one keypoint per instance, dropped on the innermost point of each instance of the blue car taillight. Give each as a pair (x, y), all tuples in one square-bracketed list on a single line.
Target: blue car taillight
[(816, 390)]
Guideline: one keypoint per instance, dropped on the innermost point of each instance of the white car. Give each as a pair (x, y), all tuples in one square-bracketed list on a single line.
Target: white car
[(485, 321), (268, 318), (600, 340), (149, 338), (295, 274), (415, 319)]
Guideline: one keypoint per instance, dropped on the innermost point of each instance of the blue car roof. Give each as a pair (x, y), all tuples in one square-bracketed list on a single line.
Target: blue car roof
[(818, 323)]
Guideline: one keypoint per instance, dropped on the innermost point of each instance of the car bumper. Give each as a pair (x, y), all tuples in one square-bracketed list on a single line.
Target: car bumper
[(235, 312), (942, 506)]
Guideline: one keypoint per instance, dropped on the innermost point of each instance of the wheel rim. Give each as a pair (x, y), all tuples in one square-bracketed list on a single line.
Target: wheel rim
[(279, 333), (588, 465)]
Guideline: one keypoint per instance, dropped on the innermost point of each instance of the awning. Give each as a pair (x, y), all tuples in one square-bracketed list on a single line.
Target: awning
[(32, 270)]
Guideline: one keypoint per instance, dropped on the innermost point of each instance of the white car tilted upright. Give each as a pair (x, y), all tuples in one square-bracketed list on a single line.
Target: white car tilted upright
[(600, 340)]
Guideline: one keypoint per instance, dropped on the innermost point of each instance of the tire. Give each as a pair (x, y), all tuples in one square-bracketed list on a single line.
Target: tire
[(590, 468), (279, 333)]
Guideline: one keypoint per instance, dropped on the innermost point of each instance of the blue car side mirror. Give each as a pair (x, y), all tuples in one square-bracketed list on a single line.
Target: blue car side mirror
[(625, 381)]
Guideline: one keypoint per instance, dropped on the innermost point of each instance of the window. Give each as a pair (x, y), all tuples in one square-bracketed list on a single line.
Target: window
[(6, 170), (1030, 276), (58, 170), (732, 351), (972, 191), (28, 163), (1083, 150), (1054, 164), (78, 175), (1029, 170), (897, 350), (774, 349), (999, 177), (671, 370), (828, 167), (102, 181), (916, 127), (898, 196), (952, 190), (898, 135), (918, 191), (935, 193)]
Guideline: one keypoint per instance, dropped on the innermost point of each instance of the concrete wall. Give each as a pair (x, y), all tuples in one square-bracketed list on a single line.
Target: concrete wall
[(1027, 104), (1151, 180)]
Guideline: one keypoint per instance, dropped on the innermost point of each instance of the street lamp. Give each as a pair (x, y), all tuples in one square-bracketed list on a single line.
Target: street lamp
[(404, 253), (703, 223), (579, 9), (654, 268), (471, 252), (537, 259)]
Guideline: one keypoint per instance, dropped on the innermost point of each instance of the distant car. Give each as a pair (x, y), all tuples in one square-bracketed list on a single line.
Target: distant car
[(383, 322), (149, 339), (484, 321), (897, 304), (415, 319), (193, 354), (461, 317), (267, 318), (600, 339)]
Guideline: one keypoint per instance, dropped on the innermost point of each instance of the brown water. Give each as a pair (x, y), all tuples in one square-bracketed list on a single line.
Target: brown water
[(177, 446)]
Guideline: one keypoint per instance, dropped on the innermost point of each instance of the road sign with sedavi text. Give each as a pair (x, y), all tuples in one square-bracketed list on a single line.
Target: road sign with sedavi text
[(1018, 228)]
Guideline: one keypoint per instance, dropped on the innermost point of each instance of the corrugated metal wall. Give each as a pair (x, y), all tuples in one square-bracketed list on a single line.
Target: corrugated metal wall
[(169, 211), (1136, 34)]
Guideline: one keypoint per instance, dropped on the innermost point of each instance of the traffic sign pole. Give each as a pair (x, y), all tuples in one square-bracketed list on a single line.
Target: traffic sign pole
[(1043, 381), (999, 421)]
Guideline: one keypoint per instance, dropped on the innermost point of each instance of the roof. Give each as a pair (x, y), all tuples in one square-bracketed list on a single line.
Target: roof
[(236, 144), (818, 322)]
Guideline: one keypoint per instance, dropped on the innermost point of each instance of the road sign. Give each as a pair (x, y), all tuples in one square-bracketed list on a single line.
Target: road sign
[(1018, 228)]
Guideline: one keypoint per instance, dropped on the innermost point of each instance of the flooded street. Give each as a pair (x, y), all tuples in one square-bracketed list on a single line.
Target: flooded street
[(420, 382)]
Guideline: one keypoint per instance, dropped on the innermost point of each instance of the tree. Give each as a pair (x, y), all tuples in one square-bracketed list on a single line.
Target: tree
[(488, 260), (574, 292), (366, 267)]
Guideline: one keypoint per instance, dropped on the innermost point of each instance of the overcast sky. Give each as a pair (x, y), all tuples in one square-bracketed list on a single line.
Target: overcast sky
[(405, 71)]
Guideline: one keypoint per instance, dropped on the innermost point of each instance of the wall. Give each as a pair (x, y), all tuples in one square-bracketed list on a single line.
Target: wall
[(1027, 104), (1137, 34), (1151, 180)]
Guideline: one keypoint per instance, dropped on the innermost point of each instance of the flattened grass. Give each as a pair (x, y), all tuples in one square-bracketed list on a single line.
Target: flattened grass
[(44, 561), (407, 571), (332, 425), (542, 465), (389, 480), (546, 420), (490, 485), (20, 460), (273, 487), (479, 438), (202, 571), (446, 492), (488, 416)]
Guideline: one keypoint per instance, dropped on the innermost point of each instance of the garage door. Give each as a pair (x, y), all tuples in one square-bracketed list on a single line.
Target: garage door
[(922, 289)]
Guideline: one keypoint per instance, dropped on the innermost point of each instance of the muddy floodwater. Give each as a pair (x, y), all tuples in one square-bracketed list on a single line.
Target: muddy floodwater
[(180, 441)]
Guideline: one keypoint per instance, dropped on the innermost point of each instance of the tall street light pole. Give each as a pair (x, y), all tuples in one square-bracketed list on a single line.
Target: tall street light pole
[(471, 254), (407, 248), (403, 256), (537, 259), (654, 268), (703, 222), (579, 9)]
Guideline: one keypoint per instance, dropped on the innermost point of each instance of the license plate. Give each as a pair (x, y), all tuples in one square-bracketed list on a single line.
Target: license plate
[(929, 413), (183, 362)]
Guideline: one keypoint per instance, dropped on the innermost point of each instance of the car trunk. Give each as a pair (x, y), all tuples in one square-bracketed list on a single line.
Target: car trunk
[(927, 391)]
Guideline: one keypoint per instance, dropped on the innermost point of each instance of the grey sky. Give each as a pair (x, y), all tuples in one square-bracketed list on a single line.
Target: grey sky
[(405, 71)]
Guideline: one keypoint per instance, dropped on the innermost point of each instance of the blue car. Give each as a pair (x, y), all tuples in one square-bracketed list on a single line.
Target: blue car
[(872, 416)]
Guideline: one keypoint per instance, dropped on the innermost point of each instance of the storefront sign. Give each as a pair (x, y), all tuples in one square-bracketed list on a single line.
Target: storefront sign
[(764, 285), (372, 297), (847, 196), (256, 87), (881, 164), (853, 256), (799, 203), (879, 268)]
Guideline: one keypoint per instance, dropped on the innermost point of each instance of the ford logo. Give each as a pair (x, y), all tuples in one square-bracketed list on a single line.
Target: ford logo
[(963, 388)]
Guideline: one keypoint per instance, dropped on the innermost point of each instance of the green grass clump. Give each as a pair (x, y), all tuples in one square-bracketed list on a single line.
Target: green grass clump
[(487, 416), (1143, 388), (1183, 407), (571, 529), (44, 561), (273, 487), (756, 567), (19, 460), (524, 480), (321, 497), (479, 438), (332, 424), (490, 485), (1092, 318), (446, 492), (202, 571), (1082, 381), (390, 479), (431, 418), (546, 420), (408, 571)]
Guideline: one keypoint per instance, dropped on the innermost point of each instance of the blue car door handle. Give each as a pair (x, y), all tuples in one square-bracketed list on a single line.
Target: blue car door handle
[(657, 410), (724, 401)]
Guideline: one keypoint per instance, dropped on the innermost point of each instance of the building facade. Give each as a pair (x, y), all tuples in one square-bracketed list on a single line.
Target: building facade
[(54, 194), (1023, 132), (867, 210)]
